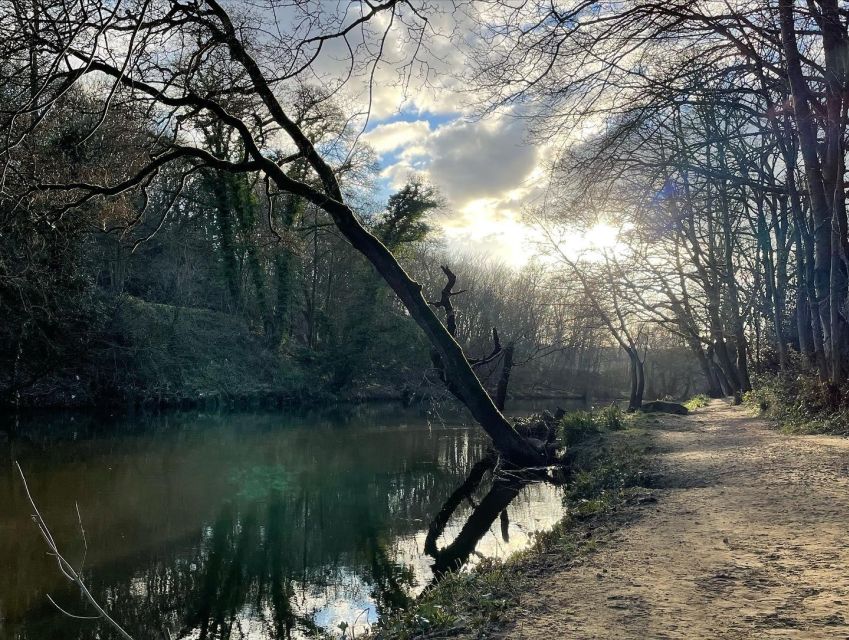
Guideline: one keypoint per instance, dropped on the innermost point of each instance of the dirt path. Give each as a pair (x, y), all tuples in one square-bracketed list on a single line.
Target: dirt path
[(749, 539)]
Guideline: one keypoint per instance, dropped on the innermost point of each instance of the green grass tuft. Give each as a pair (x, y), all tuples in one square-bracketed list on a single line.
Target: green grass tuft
[(697, 402), (578, 426)]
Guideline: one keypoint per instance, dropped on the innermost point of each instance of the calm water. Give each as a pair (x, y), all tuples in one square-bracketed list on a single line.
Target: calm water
[(252, 526)]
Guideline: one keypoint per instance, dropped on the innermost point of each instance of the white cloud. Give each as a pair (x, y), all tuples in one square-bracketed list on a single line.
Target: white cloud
[(487, 171), (395, 135)]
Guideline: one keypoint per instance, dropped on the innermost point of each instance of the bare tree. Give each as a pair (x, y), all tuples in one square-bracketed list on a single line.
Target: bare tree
[(156, 56)]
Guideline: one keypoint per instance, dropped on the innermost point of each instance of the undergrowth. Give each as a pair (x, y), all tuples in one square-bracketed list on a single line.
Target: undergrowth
[(697, 402), (578, 426), (801, 403)]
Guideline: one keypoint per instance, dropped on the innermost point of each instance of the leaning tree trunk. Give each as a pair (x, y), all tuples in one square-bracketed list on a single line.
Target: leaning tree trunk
[(330, 199)]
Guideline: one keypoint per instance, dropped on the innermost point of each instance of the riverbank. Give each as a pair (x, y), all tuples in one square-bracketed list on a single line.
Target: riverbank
[(800, 403), (607, 490), (741, 535), (141, 355)]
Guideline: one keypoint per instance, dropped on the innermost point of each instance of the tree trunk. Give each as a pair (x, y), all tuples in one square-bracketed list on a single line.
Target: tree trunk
[(504, 380), (637, 378), (808, 145), (223, 213), (330, 199), (771, 288)]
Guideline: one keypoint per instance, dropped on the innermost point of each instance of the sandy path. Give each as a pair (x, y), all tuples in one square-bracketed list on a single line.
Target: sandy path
[(748, 539)]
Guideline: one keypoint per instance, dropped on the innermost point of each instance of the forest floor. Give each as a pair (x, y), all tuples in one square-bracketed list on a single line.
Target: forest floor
[(749, 538)]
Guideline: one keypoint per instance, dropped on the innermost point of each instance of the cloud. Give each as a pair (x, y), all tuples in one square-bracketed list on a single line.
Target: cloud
[(472, 160), (395, 135), (486, 169), (467, 161)]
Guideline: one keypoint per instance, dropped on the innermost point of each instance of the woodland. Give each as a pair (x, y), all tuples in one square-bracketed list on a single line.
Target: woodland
[(188, 211), (253, 205)]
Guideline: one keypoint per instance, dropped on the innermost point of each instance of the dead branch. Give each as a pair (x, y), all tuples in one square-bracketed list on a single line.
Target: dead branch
[(65, 567)]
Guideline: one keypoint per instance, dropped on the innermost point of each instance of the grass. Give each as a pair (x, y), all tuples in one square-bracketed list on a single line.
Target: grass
[(609, 463), (578, 426), (697, 402)]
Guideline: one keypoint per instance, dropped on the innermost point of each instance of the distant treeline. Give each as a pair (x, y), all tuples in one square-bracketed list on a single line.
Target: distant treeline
[(205, 286)]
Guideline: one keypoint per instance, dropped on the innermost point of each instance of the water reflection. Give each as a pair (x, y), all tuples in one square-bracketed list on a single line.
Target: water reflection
[(249, 526), (504, 489)]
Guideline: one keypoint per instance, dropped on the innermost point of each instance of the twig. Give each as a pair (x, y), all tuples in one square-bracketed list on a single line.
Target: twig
[(68, 613), (65, 567), (82, 533)]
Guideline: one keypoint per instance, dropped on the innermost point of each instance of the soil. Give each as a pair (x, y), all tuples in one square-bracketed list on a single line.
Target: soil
[(749, 538)]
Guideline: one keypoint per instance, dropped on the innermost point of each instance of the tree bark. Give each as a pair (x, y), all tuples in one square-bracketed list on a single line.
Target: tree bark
[(504, 380)]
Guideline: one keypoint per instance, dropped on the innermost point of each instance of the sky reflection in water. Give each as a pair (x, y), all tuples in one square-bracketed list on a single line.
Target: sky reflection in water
[(239, 525)]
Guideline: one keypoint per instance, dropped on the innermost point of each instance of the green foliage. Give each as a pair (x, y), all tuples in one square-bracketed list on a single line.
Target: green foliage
[(577, 426), (612, 418), (801, 403), (406, 212), (697, 402), (173, 353)]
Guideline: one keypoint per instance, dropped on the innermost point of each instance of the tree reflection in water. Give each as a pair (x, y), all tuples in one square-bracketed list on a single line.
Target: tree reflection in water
[(505, 486), (246, 526), (245, 582)]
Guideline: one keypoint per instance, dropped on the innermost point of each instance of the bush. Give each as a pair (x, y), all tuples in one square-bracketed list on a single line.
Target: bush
[(801, 403), (697, 402)]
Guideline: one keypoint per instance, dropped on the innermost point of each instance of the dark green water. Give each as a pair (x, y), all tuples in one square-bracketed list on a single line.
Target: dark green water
[(251, 526)]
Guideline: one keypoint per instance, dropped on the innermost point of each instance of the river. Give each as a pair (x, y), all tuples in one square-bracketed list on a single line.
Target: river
[(238, 525)]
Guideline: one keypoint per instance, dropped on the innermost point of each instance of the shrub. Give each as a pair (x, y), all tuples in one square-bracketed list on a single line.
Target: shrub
[(801, 403), (697, 401)]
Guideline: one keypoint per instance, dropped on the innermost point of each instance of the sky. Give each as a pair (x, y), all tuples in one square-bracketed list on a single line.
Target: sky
[(422, 122), (486, 170)]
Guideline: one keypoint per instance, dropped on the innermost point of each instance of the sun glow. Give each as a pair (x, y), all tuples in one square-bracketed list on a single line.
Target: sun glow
[(602, 236), (602, 239), (485, 227)]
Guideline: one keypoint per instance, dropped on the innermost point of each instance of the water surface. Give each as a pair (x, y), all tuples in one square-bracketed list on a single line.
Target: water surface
[(239, 525)]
